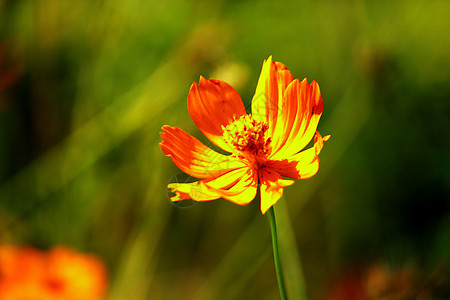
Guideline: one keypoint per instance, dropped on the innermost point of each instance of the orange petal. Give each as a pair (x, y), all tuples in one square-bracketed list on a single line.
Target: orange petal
[(272, 185), (21, 263), (303, 107), (302, 165), (212, 104), (266, 103), (238, 186), (74, 275), (193, 157)]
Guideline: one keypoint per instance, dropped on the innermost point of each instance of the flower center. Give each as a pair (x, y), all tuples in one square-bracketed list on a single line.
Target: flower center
[(247, 135)]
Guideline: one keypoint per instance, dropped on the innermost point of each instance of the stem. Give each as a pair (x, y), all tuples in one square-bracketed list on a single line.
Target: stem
[(276, 255)]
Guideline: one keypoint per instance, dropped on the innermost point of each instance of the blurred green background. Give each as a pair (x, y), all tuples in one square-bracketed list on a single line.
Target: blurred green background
[(85, 87)]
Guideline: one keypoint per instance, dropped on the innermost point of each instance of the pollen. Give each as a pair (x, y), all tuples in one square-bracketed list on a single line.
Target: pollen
[(248, 136)]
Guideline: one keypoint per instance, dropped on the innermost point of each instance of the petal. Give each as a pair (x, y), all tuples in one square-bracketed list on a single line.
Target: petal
[(302, 165), (193, 157), (211, 104), (266, 103), (272, 185), (238, 186), (303, 107), (288, 116)]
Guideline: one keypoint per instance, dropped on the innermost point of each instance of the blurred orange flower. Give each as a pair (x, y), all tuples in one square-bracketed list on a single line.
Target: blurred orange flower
[(264, 146), (61, 273)]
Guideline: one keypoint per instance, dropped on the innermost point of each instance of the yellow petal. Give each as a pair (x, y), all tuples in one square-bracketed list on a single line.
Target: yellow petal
[(267, 101), (272, 185), (238, 186)]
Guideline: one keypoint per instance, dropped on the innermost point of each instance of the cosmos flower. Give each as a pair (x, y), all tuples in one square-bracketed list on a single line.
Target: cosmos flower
[(263, 147), (61, 273)]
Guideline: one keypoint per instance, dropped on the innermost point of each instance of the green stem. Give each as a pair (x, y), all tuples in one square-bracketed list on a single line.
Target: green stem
[(276, 254)]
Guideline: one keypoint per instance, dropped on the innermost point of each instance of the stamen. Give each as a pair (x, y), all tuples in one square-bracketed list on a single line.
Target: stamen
[(247, 135)]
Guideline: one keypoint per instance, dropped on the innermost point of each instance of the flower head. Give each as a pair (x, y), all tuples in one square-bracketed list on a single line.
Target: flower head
[(61, 273), (264, 146)]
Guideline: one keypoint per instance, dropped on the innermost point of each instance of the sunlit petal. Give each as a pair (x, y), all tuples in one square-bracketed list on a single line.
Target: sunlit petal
[(212, 104), (302, 165), (193, 157), (272, 185), (301, 114), (267, 101), (238, 186)]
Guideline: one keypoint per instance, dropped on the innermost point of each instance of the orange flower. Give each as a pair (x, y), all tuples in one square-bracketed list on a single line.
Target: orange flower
[(62, 273), (264, 146)]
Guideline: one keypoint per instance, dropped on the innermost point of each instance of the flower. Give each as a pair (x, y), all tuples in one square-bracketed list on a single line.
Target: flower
[(264, 146), (61, 273)]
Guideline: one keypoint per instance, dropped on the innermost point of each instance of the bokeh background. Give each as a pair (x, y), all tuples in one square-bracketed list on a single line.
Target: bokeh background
[(85, 87)]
